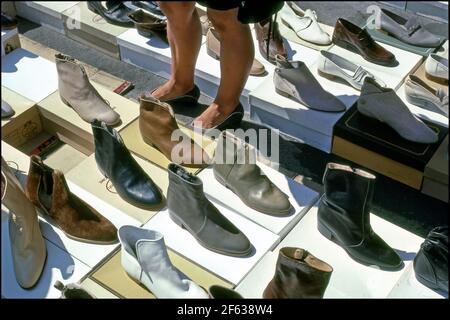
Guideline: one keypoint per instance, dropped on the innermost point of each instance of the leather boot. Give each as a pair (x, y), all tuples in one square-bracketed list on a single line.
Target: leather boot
[(235, 168), (115, 162), (78, 93), (270, 42), (191, 210), (298, 275), (47, 189), (157, 123), (145, 259), (344, 217), (27, 244)]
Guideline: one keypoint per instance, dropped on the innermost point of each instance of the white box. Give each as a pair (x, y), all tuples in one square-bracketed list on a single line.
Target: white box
[(300, 196), (45, 13), (29, 75), (232, 269), (421, 112), (349, 279), (59, 265)]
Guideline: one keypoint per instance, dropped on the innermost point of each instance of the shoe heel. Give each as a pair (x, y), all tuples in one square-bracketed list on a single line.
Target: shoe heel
[(212, 54), (324, 231), (176, 220), (436, 79), (150, 143)]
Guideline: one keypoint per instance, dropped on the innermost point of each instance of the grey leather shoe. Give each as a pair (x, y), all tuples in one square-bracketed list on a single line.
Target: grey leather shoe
[(331, 64), (7, 110), (235, 168), (78, 93), (292, 79), (407, 30), (436, 68), (384, 105), (420, 94), (190, 209)]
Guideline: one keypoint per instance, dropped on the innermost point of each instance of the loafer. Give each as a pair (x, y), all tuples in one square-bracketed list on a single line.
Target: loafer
[(305, 25), (409, 31), (145, 259), (294, 81), (115, 12), (351, 37), (332, 65), (436, 68), (384, 105), (148, 26), (422, 95)]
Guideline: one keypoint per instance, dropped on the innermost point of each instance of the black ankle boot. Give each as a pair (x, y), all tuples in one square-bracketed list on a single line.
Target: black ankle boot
[(344, 217), (116, 163)]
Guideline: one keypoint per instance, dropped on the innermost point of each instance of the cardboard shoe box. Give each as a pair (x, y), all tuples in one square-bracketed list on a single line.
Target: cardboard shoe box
[(376, 146), (435, 182)]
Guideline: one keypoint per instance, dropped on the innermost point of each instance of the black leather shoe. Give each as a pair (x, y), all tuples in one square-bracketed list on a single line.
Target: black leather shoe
[(431, 262), (115, 12), (191, 210), (233, 121), (116, 163), (190, 97), (8, 22), (151, 7), (344, 217)]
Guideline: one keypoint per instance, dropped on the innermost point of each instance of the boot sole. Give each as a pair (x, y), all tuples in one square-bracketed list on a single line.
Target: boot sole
[(183, 226), (327, 233)]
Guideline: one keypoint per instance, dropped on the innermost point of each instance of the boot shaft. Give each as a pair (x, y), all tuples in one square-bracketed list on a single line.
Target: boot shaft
[(299, 274), (156, 118), (350, 190), (71, 75)]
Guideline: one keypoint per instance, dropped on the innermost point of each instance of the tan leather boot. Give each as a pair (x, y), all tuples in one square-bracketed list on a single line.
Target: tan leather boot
[(27, 244), (78, 93), (157, 123)]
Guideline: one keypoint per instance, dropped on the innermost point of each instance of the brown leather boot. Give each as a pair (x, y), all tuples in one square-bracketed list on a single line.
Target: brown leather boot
[(157, 123), (298, 275), (27, 244), (270, 42), (47, 189)]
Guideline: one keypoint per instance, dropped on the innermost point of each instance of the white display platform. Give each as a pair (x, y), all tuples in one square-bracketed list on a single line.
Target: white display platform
[(229, 268), (300, 196), (6, 35), (309, 126), (393, 76), (89, 254), (422, 113), (350, 279), (208, 69), (59, 265), (152, 54), (409, 288), (87, 177), (29, 75), (45, 13)]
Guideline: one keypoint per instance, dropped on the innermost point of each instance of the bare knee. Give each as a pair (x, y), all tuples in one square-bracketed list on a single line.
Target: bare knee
[(177, 11), (224, 21)]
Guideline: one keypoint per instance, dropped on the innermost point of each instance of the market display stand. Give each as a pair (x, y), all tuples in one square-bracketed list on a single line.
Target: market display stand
[(40, 114)]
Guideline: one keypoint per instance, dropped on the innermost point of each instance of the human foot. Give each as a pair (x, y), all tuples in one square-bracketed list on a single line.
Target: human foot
[(219, 116), (170, 90)]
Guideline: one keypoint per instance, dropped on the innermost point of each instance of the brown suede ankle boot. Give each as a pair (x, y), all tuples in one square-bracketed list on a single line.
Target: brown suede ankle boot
[(47, 189), (298, 275)]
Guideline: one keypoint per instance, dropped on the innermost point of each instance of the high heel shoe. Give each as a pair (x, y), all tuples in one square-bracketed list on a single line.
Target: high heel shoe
[(231, 122), (190, 97)]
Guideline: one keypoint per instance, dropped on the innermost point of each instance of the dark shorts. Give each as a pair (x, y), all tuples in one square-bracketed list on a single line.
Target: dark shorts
[(220, 4)]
